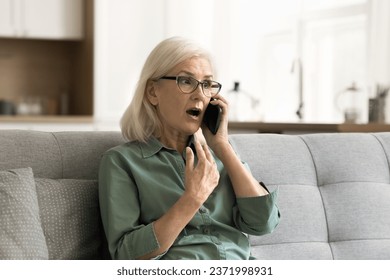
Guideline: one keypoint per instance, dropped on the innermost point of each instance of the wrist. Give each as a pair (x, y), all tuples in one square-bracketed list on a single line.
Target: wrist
[(191, 201), (222, 150)]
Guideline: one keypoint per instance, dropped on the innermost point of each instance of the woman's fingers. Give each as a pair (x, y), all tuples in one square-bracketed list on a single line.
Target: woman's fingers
[(222, 102), (203, 152), (200, 137), (202, 177), (208, 154), (189, 158)]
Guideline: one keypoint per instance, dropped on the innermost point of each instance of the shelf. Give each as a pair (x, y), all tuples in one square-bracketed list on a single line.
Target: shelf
[(261, 127), (58, 72)]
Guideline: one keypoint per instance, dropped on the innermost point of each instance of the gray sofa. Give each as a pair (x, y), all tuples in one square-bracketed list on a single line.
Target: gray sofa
[(334, 194)]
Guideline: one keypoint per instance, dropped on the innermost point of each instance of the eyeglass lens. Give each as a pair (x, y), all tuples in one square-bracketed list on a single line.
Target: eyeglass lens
[(189, 85)]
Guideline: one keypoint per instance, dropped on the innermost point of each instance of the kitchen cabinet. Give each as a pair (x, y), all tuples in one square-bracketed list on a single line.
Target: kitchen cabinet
[(42, 19), (7, 18), (55, 75)]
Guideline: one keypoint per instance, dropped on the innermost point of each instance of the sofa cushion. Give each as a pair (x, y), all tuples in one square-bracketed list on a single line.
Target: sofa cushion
[(334, 192), (70, 217), (35, 149), (21, 234), (285, 162), (353, 179)]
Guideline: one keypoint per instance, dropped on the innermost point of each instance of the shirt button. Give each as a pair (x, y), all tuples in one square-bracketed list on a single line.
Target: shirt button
[(202, 210), (206, 231)]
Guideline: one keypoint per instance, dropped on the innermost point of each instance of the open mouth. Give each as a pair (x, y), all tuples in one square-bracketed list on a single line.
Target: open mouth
[(195, 112)]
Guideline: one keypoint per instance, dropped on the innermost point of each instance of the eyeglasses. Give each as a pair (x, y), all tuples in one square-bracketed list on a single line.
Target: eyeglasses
[(189, 85)]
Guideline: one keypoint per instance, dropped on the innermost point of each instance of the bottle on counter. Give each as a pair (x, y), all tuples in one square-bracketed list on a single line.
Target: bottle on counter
[(242, 106), (376, 105), (64, 101)]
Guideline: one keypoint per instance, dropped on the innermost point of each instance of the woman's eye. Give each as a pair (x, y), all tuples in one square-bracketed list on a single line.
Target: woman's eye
[(206, 84), (185, 81)]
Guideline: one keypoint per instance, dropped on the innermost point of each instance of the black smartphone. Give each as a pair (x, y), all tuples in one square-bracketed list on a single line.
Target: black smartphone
[(212, 117)]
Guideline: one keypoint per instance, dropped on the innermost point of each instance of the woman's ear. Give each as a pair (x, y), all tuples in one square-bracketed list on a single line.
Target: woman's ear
[(151, 93)]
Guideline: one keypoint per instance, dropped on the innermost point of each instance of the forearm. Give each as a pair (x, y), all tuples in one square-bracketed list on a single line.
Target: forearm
[(244, 184), (169, 226), (200, 181)]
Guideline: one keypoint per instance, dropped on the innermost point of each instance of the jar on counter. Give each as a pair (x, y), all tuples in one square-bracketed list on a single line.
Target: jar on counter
[(242, 106), (29, 106), (6, 107), (350, 102)]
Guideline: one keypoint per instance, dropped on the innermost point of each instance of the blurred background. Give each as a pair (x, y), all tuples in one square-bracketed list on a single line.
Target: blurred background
[(73, 64)]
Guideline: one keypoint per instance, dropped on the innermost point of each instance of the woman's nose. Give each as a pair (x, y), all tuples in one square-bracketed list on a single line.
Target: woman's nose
[(198, 93)]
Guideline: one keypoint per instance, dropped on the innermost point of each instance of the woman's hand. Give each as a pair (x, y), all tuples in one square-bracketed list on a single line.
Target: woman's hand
[(221, 137), (202, 178), (244, 184)]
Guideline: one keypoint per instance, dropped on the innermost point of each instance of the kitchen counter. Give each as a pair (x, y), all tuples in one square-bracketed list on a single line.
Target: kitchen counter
[(87, 122), (301, 128), (46, 119), (48, 123)]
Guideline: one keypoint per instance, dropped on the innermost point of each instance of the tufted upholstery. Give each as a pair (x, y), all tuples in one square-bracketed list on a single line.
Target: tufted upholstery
[(56, 155), (65, 167), (334, 189), (334, 194)]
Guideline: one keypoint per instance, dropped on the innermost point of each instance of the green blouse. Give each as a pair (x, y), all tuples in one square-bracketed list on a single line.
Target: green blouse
[(139, 182)]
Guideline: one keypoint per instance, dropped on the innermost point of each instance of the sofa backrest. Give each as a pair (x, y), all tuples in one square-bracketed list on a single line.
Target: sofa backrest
[(65, 169), (334, 190), (334, 194), (56, 155)]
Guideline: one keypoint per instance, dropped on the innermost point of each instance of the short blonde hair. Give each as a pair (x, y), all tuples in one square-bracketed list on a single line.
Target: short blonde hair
[(140, 121)]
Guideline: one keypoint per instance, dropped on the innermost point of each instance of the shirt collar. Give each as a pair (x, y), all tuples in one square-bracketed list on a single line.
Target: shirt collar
[(153, 146)]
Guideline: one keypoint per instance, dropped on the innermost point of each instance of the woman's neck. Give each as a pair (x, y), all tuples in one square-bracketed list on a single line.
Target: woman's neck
[(178, 143)]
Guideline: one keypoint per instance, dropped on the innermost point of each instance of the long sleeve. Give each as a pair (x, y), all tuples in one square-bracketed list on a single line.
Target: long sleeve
[(257, 215), (140, 182), (127, 237)]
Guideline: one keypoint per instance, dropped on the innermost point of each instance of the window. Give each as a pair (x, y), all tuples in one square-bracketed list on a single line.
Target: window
[(309, 56)]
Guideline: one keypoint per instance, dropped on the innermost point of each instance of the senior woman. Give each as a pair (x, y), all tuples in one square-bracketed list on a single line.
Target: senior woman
[(175, 190)]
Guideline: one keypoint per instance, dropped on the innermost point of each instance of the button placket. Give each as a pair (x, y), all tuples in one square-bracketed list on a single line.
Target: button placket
[(204, 212), (216, 240), (208, 230)]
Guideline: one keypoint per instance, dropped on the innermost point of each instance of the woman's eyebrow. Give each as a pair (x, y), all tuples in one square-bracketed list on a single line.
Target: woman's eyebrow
[(192, 74)]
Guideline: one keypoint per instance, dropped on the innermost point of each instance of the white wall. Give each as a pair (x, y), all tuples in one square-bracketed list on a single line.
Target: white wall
[(127, 30), (125, 33)]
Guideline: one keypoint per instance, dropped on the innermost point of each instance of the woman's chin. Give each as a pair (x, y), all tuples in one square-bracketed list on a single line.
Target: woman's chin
[(193, 129)]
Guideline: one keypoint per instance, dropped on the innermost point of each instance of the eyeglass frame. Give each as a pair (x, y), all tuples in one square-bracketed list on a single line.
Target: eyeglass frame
[(176, 78)]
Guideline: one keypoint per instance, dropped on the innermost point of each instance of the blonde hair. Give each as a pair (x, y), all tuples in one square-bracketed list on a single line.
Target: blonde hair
[(140, 121)]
